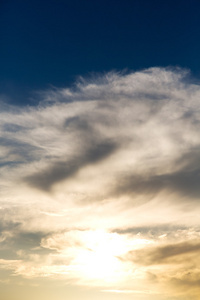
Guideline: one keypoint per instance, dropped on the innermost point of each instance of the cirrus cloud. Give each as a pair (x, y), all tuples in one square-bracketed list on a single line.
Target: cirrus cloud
[(117, 153)]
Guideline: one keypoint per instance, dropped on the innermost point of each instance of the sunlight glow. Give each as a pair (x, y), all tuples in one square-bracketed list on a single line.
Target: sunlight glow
[(100, 260)]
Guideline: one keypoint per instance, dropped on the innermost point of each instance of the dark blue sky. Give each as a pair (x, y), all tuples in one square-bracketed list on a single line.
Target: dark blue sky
[(47, 43)]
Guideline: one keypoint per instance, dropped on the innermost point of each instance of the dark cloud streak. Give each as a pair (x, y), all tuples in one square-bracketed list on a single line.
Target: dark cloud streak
[(61, 170), (171, 253)]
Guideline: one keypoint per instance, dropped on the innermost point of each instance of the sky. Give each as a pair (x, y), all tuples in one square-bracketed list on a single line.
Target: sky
[(99, 150)]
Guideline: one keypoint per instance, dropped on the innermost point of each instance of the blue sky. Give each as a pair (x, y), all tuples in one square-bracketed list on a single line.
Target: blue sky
[(47, 43)]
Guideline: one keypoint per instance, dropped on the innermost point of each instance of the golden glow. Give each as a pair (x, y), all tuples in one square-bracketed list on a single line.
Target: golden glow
[(100, 258)]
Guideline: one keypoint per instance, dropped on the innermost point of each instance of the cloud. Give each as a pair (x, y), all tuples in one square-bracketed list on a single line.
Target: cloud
[(171, 253), (148, 117), (117, 153), (185, 182), (64, 169)]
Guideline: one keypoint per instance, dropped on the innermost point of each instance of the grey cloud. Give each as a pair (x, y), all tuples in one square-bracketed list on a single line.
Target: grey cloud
[(77, 123), (172, 253), (83, 129), (23, 152), (138, 185), (153, 231), (185, 180), (65, 169), (152, 96), (14, 238), (28, 240), (10, 127)]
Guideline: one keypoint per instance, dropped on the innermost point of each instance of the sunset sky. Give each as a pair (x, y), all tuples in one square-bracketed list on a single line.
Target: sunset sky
[(100, 150)]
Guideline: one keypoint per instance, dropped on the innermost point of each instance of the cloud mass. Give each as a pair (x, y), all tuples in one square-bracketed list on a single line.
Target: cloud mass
[(98, 167)]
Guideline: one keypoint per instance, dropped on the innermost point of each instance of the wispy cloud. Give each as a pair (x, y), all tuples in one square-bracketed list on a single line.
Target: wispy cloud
[(117, 153)]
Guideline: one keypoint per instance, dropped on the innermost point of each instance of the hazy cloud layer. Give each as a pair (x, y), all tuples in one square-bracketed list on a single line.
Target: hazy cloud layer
[(107, 171)]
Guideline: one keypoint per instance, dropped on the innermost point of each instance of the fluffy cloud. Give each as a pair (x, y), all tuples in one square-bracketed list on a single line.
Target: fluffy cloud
[(117, 153)]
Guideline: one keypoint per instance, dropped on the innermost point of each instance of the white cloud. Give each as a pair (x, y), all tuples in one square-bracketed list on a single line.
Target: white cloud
[(115, 153)]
